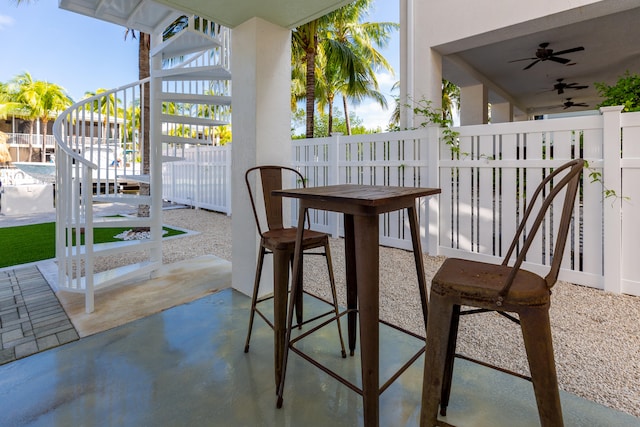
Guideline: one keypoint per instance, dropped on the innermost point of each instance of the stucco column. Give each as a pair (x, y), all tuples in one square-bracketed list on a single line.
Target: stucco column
[(474, 101), (261, 70), (502, 112), (420, 66)]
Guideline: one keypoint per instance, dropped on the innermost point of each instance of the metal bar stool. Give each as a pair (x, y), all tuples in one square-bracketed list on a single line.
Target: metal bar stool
[(279, 240), (503, 288)]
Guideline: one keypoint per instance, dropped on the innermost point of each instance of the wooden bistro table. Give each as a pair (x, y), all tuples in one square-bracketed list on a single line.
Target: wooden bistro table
[(361, 206)]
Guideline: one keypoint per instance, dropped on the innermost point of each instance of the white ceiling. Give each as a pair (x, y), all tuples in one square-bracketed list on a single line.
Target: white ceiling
[(611, 47)]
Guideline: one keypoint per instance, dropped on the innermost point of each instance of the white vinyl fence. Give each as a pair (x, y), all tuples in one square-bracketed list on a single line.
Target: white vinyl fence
[(394, 159), (198, 176), (484, 186)]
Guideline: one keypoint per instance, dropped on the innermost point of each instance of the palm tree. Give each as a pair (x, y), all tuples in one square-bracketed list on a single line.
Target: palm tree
[(450, 99), (351, 43), (19, 109), (40, 100), (341, 40), (8, 105), (105, 108), (304, 40)]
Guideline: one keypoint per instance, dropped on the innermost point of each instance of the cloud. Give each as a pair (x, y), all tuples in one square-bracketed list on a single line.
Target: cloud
[(5, 21)]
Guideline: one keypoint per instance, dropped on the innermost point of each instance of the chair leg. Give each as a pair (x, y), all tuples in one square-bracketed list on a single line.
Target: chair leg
[(334, 295), (438, 326), (298, 301), (451, 355), (254, 298), (536, 331)]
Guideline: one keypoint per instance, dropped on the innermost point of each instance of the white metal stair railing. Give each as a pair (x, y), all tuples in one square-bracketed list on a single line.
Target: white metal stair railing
[(97, 145), (99, 149)]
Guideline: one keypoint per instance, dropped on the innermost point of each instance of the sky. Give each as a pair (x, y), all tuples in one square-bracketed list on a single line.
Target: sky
[(83, 54)]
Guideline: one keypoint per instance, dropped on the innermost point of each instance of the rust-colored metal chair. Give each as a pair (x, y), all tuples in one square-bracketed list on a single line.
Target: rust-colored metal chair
[(280, 241), (504, 288)]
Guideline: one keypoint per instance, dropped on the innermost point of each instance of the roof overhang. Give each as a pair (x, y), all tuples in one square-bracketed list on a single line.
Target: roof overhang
[(150, 16)]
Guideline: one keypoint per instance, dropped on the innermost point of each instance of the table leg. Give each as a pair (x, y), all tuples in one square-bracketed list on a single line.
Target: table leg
[(417, 255), (280, 291), (351, 277), (367, 254)]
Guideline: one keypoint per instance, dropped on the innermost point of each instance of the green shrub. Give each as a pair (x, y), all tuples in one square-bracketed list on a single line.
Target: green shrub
[(625, 92)]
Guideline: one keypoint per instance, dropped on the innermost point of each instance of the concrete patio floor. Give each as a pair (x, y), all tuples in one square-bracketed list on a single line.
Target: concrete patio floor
[(186, 367)]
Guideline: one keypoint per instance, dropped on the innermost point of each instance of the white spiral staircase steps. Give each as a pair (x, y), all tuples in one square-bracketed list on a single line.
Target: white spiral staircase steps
[(199, 81)]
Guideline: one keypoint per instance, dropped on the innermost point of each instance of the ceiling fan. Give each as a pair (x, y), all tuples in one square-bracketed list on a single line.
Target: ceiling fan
[(561, 86), (569, 103), (543, 54)]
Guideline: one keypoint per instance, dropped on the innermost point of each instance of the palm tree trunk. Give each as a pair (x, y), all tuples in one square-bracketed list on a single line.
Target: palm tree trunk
[(311, 85), (330, 121), (43, 157), (144, 71), (31, 140), (346, 115)]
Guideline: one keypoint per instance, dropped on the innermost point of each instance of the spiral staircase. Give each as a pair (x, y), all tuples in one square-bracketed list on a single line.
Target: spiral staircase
[(99, 151)]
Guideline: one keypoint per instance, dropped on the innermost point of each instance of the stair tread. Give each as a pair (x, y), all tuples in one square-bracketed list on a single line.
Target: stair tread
[(137, 178), (125, 221), (186, 41), (123, 198), (191, 98), (217, 72), (120, 246), (182, 140), (169, 118), (116, 275)]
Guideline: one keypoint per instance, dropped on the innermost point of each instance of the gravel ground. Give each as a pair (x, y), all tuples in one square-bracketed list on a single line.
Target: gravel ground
[(596, 334)]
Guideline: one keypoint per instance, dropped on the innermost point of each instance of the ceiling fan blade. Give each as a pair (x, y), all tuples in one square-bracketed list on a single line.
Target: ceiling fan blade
[(560, 60), (523, 59), (531, 65), (575, 49), (560, 91), (577, 87)]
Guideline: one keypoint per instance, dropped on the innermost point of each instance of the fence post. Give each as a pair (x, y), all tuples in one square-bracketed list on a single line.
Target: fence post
[(198, 192), (173, 175), (432, 217), (227, 176), (612, 174)]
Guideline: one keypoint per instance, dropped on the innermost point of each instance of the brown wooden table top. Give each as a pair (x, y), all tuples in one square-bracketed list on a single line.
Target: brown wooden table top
[(358, 199)]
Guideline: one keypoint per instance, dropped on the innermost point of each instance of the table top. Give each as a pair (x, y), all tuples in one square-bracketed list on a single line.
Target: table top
[(358, 199)]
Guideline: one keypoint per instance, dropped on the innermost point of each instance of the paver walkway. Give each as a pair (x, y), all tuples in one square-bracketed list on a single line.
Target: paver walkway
[(31, 317)]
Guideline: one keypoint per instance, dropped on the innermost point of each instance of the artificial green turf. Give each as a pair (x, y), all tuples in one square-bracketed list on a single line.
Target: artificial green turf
[(29, 243)]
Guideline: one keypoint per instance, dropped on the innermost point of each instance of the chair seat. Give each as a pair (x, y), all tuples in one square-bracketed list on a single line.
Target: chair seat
[(481, 282), (285, 238)]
